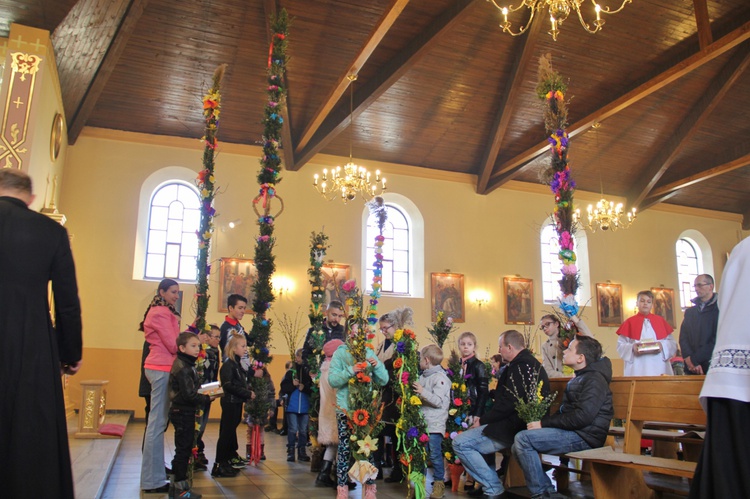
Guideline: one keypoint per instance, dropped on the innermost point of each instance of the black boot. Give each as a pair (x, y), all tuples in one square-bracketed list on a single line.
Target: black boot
[(397, 474), (302, 456), (290, 454), (324, 477)]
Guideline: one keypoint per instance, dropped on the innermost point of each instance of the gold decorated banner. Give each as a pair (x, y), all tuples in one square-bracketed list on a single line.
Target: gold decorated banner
[(24, 68)]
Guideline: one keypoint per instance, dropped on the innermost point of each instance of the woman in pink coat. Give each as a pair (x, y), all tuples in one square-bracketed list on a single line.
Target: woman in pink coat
[(161, 326)]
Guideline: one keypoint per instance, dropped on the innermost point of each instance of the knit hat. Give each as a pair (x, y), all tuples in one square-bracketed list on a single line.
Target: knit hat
[(331, 347)]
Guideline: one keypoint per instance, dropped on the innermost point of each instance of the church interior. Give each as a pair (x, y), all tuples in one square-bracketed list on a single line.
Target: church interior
[(443, 105)]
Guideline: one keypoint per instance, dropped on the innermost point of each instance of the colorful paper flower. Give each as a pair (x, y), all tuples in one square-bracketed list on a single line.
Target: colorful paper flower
[(360, 417)]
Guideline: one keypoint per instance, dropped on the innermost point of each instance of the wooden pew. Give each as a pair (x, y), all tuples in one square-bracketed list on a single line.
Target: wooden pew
[(668, 399)]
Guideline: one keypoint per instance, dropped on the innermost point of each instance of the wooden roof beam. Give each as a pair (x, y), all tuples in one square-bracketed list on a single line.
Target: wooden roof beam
[(689, 126), (270, 8), (502, 118), (392, 12), (720, 169), (391, 72), (84, 80), (511, 168), (703, 22)]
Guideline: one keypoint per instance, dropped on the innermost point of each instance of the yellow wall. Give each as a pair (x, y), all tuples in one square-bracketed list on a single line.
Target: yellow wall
[(483, 237)]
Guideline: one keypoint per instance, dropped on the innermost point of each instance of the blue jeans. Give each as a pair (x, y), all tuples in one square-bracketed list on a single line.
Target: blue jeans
[(436, 456), (469, 447), (530, 443), (297, 428), (153, 475)]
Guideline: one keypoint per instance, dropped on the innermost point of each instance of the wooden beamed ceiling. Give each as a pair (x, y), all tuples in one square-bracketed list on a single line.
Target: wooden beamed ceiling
[(508, 170), (439, 86), (336, 121)]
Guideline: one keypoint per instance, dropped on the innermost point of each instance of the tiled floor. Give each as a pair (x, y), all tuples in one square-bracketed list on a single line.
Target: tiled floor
[(274, 478)]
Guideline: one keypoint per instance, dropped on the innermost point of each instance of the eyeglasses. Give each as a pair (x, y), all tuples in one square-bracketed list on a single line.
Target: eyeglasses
[(545, 325), (701, 284), (386, 328)]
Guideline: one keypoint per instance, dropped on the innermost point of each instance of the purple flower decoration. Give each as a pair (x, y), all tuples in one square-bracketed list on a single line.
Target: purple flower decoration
[(413, 432), (400, 347), (449, 372)]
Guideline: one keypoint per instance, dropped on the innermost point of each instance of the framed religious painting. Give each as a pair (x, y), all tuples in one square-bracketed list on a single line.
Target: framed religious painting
[(447, 292), (519, 300), (334, 275), (236, 276), (609, 303), (664, 304)]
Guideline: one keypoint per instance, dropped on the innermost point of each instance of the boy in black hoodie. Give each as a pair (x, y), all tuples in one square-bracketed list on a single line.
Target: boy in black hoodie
[(183, 393)]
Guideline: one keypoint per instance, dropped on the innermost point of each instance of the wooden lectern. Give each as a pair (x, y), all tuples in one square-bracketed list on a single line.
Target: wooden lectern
[(93, 407)]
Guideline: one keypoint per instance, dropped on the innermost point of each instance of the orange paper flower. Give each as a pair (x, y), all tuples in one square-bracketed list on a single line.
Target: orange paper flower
[(398, 363), (360, 417), (363, 378)]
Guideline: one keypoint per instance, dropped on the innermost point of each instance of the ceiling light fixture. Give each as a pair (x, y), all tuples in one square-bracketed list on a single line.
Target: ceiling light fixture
[(558, 13), (351, 180), (607, 215)]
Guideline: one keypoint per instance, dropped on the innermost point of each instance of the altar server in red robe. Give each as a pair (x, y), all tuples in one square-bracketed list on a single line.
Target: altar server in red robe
[(646, 343)]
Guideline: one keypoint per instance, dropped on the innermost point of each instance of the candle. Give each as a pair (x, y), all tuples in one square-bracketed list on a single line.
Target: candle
[(598, 10), (505, 14), (315, 179)]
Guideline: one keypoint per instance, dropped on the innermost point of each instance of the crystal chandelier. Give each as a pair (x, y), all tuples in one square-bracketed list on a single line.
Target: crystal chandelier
[(606, 216), (558, 13), (352, 180)]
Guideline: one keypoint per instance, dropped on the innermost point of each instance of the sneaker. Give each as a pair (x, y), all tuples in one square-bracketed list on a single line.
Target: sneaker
[(159, 490), (237, 463), (219, 471), (199, 466), (243, 459)]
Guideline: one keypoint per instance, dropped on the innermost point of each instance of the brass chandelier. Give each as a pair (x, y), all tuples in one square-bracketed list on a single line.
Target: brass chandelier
[(606, 216), (351, 180), (558, 13)]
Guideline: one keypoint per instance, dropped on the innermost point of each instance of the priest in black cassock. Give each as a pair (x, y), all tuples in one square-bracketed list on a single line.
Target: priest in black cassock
[(34, 250)]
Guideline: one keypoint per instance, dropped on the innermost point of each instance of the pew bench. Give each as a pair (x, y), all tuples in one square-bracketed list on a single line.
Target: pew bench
[(617, 475), (638, 400)]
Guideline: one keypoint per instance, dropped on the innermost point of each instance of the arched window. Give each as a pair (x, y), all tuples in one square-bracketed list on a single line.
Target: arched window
[(551, 266), (689, 266), (395, 250), (172, 245), (403, 248)]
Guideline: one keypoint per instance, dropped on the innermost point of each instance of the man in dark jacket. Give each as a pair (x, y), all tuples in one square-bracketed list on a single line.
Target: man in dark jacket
[(581, 422), (34, 250), (333, 329), (698, 330), (495, 430)]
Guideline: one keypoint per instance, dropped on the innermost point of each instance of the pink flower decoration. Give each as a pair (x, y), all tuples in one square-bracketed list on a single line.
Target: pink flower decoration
[(569, 269), (405, 377), (566, 241), (349, 285), (424, 438)]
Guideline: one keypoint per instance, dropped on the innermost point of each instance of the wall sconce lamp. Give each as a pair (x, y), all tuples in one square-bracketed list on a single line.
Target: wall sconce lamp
[(633, 305), (480, 297), (282, 285), (231, 225)]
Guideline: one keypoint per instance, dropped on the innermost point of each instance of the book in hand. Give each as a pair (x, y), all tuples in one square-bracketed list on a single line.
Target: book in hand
[(211, 389)]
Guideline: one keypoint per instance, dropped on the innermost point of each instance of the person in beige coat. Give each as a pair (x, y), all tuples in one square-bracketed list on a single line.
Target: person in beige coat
[(328, 434)]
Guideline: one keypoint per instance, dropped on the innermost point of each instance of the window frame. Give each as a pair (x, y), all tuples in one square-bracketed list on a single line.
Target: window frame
[(415, 223)]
